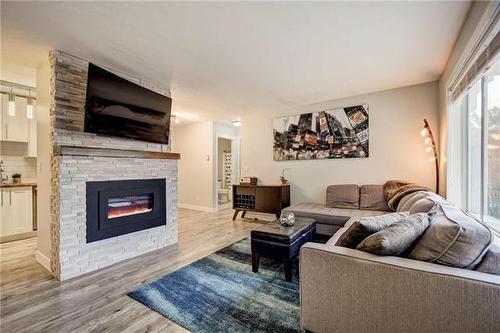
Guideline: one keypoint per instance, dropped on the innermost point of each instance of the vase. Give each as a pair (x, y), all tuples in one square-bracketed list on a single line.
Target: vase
[(287, 219)]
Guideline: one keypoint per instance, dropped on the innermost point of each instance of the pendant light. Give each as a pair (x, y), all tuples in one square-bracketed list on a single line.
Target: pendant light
[(12, 104), (29, 108)]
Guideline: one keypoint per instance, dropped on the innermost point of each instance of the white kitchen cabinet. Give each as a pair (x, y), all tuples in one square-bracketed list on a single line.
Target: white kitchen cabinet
[(5, 211), (16, 211), (14, 128), (32, 141)]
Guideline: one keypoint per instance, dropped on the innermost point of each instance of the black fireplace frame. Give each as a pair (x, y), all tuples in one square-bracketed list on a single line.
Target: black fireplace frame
[(99, 226)]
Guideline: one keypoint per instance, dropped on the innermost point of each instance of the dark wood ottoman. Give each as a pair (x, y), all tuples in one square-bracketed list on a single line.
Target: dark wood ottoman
[(281, 243)]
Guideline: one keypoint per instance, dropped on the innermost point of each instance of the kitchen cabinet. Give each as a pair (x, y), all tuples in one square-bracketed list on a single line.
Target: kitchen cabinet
[(14, 128), (16, 211), (32, 142)]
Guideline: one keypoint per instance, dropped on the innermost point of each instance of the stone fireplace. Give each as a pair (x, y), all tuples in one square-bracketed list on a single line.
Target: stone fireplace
[(111, 198)]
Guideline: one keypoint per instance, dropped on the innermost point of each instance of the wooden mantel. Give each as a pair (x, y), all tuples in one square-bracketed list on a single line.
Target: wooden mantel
[(112, 152)]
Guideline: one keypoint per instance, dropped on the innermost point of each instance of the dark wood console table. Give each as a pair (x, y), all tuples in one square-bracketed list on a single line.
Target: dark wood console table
[(260, 198)]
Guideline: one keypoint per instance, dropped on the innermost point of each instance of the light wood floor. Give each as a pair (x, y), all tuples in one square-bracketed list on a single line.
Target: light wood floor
[(32, 301)]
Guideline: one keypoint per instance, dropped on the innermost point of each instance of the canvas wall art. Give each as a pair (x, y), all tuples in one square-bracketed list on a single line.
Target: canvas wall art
[(336, 133)]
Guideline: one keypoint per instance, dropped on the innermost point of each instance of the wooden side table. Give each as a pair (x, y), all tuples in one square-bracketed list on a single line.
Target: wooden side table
[(260, 198)]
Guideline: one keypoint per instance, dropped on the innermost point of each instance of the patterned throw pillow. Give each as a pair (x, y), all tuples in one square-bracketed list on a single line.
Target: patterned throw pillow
[(396, 238), (367, 226)]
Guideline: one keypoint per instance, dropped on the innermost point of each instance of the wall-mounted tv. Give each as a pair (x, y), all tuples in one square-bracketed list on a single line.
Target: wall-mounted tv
[(118, 107)]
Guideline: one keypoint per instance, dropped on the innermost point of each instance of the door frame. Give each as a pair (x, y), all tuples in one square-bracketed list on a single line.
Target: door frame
[(235, 148)]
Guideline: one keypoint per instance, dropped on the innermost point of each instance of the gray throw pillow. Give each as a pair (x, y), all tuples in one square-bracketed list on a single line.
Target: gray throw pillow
[(342, 196), (367, 226), (371, 197), (409, 200), (453, 238), (491, 261), (396, 238)]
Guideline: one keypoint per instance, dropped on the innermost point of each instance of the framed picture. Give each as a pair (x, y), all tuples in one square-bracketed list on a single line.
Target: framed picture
[(336, 133)]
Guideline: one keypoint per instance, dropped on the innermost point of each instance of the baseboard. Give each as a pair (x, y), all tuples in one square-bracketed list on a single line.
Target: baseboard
[(196, 207), (12, 238), (42, 260)]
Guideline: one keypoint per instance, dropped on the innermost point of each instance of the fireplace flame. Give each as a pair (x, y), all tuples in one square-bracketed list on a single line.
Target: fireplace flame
[(114, 212)]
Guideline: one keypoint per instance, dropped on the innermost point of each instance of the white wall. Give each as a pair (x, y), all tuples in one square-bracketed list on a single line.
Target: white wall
[(470, 33), (18, 74), (15, 160), (396, 147), (44, 152), (196, 166)]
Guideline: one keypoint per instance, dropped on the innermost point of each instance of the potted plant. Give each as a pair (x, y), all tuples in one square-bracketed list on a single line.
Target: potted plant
[(16, 178)]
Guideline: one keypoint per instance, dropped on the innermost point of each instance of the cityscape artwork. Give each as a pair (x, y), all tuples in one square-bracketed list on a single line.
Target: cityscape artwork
[(336, 133)]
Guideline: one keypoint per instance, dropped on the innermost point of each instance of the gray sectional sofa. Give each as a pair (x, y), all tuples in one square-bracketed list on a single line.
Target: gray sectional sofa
[(347, 290)]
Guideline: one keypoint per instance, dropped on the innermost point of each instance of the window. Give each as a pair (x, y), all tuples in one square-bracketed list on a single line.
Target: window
[(473, 193), (492, 146), (474, 148)]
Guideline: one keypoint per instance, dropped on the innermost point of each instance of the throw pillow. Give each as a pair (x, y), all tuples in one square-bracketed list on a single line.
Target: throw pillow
[(453, 238), (491, 260), (396, 238), (371, 197), (342, 196), (408, 200), (366, 226)]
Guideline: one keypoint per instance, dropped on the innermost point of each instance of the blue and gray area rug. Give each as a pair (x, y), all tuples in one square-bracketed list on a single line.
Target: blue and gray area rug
[(219, 293)]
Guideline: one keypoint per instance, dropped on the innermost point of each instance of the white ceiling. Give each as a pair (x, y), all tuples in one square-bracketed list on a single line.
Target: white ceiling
[(223, 60)]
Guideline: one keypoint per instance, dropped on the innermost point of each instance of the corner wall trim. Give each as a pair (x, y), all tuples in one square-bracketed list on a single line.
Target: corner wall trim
[(196, 207), (43, 260)]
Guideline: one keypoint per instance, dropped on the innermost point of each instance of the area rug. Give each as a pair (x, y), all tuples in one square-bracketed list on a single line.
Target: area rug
[(219, 293)]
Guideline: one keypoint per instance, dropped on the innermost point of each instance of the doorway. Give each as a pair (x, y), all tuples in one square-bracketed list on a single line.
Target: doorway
[(225, 172)]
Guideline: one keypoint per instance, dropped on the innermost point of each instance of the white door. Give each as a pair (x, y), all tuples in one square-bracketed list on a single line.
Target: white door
[(17, 211), (32, 140), (19, 123), (14, 128), (3, 116), (5, 212)]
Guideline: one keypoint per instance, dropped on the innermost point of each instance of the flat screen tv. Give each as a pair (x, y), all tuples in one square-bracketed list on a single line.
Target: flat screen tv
[(118, 107)]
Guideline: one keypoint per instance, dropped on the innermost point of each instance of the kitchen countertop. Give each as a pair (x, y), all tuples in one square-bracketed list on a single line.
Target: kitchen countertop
[(31, 184)]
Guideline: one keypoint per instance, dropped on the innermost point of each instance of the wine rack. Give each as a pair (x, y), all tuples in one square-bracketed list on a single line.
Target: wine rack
[(244, 201)]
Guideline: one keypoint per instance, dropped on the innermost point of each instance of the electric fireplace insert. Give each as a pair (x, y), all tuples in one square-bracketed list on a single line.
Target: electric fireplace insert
[(123, 206)]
